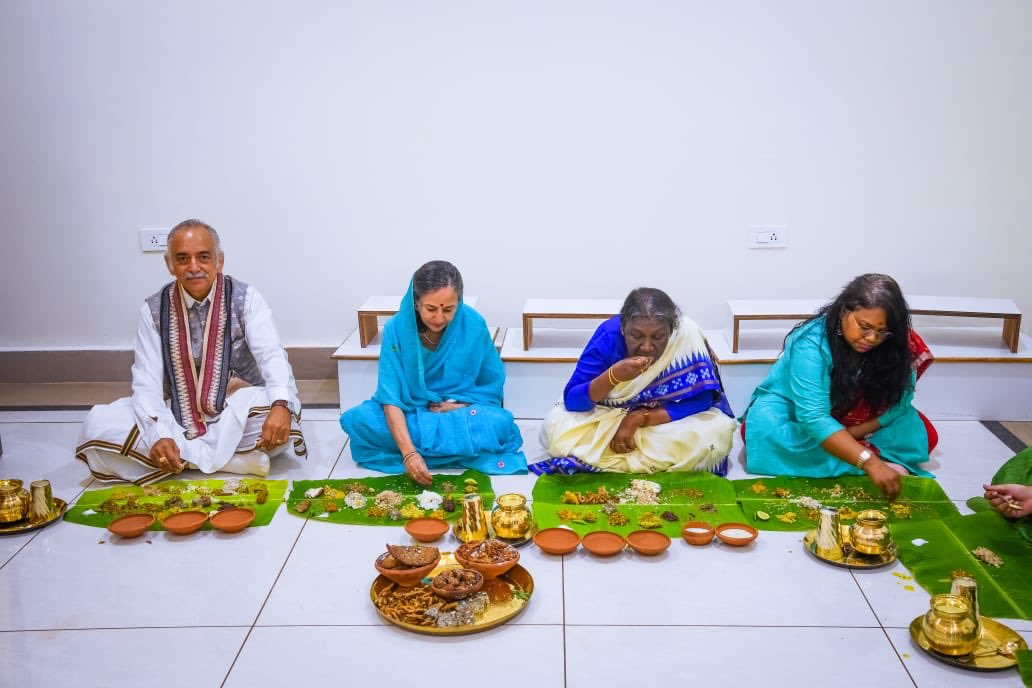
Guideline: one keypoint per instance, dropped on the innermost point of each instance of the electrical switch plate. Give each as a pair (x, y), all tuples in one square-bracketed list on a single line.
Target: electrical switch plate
[(153, 240), (768, 236)]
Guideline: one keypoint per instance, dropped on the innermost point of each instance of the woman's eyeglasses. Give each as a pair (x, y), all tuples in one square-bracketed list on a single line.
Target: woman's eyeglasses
[(867, 331)]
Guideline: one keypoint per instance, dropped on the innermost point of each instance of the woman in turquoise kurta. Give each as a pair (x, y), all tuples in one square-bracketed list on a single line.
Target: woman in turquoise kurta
[(838, 400), (438, 402)]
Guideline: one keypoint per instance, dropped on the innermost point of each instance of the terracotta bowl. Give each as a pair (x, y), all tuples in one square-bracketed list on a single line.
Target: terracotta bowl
[(133, 525), (603, 543), (406, 578), (728, 534), (185, 522), (232, 520), (460, 593), (648, 542), (426, 529), (697, 533), (556, 540), (490, 571)]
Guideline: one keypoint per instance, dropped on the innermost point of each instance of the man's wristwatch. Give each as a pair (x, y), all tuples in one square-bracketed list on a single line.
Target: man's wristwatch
[(864, 457), (284, 404)]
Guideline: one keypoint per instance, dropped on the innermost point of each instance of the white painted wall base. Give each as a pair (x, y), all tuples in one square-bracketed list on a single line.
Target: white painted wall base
[(961, 385)]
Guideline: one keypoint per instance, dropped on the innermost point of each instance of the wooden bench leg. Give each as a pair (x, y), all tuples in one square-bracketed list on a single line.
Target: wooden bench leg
[(368, 326), (1012, 333), (528, 332), (734, 336)]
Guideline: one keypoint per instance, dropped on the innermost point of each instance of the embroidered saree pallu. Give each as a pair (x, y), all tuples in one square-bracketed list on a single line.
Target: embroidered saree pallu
[(699, 441), (387, 501), (98, 508), (787, 503), (624, 503), (984, 545)]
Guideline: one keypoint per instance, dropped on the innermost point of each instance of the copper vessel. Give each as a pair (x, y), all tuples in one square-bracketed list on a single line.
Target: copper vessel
[(14, 501), (511, 518), (950, 626)]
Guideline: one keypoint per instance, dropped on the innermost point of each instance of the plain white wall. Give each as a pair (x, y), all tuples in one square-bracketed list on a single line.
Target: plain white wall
[(547, 148)]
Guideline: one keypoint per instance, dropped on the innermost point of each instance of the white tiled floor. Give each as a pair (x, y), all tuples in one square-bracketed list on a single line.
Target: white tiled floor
[(289, 602)]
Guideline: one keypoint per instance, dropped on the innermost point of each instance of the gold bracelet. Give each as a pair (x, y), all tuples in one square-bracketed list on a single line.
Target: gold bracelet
[(613, 379), (645, 418)]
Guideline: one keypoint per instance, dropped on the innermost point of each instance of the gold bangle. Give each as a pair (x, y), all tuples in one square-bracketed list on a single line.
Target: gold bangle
[(645, 418), (613, 379)]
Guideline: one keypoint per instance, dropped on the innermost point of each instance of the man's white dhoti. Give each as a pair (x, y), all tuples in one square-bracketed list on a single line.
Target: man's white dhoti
[(111, 444)]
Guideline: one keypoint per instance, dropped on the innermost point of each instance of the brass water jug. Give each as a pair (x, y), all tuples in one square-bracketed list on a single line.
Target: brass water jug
[(950, 626), (511, 518), (869, 533), (14, 501)]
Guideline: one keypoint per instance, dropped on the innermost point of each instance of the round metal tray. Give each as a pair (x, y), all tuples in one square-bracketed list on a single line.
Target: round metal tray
[(497, 613)]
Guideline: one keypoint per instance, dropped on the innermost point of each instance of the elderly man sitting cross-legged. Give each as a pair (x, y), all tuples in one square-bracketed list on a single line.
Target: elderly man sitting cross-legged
[(212, 388)]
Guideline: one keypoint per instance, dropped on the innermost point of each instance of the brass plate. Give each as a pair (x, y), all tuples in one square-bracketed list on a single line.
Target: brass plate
[(851, 558), (25, 525), (994, 634), (495, 615)]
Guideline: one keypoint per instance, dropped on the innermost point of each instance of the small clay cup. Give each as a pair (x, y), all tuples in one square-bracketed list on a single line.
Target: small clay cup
[(697, 533), (733, 540), (133, 525), (426, 529), (406, 578), (489, 570), (457, 594), (232, 520), (648, 542), (185, 522), (603, 543), (557, 540)]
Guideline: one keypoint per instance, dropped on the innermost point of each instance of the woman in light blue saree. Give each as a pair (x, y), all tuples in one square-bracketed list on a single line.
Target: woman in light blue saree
[(438, 402)]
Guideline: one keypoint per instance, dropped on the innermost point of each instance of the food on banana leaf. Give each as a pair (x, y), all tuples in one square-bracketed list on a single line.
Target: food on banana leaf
[(988, 556)]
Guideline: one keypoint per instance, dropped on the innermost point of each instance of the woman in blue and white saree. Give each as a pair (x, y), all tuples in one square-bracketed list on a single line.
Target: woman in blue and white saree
[(645, 397), (438, 401)]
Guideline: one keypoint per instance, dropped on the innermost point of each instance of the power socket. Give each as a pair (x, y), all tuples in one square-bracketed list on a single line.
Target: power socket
[(153, 240), (768, 236)]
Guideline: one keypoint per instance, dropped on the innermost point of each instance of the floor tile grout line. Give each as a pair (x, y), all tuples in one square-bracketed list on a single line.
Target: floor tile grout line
[(116, 628), (562, 591), (261, 609), (881, 626), (339, 455), (1000, 432)]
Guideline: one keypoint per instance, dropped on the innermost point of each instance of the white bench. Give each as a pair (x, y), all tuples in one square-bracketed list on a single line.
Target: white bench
[(565, 309), (949, 306), (376, 307)]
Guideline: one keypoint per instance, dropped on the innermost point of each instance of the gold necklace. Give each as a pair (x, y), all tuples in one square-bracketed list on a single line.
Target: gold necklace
[(425, 334)]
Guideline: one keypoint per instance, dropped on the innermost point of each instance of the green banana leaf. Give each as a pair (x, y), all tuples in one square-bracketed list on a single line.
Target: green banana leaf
[(98, 508), (452, 486), (1017, 470), (689, 496), (932, 550), (919, 499), (1024, 658)]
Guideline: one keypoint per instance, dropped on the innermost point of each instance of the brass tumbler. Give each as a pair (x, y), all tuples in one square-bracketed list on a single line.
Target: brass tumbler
[(41, 500), (829, 535), (472, 523)]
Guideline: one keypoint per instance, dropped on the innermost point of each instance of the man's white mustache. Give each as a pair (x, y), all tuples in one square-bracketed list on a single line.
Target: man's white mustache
[(195, 275)]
